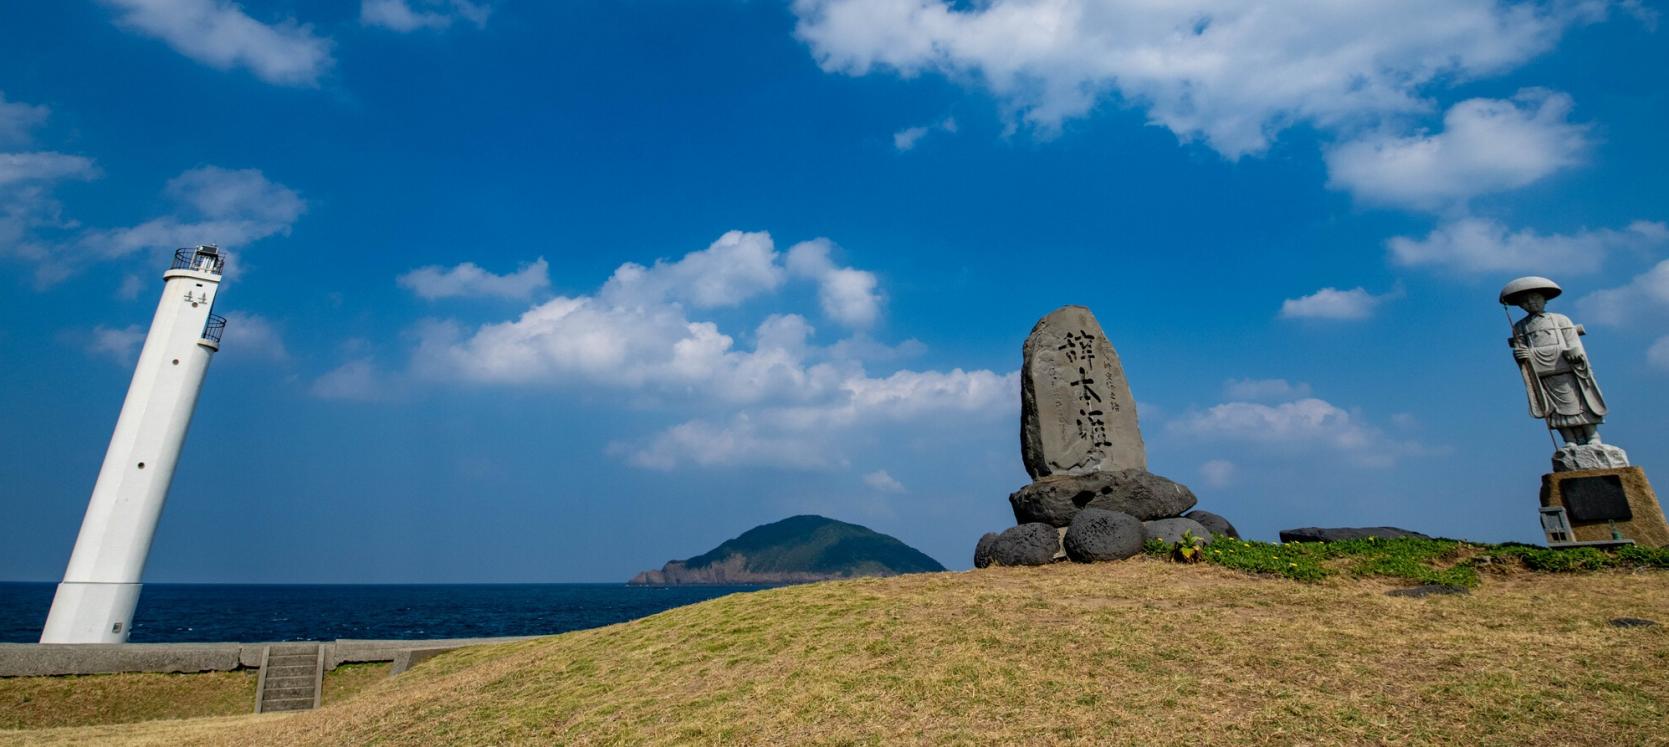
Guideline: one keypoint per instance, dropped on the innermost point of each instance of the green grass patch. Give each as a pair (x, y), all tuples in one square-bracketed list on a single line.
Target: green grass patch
[(1422, 561)]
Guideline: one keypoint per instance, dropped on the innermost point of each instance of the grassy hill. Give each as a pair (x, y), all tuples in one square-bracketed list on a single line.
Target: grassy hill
[(797, 549), (1138, 652)]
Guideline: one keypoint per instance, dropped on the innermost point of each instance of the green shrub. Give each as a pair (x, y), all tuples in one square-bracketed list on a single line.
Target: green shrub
[(1422, 561)]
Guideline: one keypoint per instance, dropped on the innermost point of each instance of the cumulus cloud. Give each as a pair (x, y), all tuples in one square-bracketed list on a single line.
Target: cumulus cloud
[(1265, 389), (469, 280), (810, 435), (412, 15), (1334, 304), (1646, 295), (1218, 473), (1294, 428), (218, 33), (880, 481), (786, 400), (1487, 145), (120, 345), (847, 295), (733, 269), (1231, 74), (1480, 245)]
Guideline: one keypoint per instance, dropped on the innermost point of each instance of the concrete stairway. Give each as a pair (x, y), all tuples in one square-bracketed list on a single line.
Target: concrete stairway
[(291, 678)]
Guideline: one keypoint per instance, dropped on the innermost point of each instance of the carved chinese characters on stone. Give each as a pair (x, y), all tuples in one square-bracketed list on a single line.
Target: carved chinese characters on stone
[(1076, 412)]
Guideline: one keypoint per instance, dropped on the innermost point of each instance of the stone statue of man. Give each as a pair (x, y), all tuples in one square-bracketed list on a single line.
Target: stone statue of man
[(1557, 374)]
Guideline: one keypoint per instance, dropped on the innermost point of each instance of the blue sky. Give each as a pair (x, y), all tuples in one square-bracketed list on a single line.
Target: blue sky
[(560, 291)]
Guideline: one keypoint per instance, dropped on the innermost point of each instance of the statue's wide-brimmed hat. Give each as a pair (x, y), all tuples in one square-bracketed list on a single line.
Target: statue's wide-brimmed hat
[(1516, 288)]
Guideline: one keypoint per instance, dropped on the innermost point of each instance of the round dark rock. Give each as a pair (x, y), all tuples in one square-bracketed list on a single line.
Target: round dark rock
[(1097, 534), (982, 551), (1054, 500), (1171, 530), (1213, 523), (1027, 544)]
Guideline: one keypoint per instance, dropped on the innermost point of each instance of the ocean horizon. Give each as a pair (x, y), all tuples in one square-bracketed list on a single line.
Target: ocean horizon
[(249, 613)]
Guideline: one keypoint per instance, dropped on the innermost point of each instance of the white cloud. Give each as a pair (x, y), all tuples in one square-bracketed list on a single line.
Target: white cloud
[(1334, 304), (908, 137), (21, 168), (785, 401), (357, 380), (130, 288), (399, 15), (1479, 245), (218, 33), (1658, 353), (18, 120), (252, 337), (232, 208), (1218, 473), (1296, 428), (119, 345), (881, 481), (736, 267), (1231, 73), (27, 204), (847, 295), (469, 280), (1264, 389), (1487, 145), (812, 435), (1647, 295)]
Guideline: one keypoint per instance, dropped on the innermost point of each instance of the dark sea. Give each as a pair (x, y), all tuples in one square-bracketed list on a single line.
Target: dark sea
[(170, 613)]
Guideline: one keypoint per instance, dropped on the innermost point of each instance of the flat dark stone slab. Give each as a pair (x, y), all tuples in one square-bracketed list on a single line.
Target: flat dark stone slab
[(1632, 622)]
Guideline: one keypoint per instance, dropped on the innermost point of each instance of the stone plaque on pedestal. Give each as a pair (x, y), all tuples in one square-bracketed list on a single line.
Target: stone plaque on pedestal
[(1597, 500)]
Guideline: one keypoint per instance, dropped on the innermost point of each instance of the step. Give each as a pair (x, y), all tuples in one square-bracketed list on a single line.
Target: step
[(289, 678), (294, 704), (291, 659), (286, 694)]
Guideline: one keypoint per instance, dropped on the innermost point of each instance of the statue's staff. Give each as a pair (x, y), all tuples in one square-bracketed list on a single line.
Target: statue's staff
[(1530, 373)]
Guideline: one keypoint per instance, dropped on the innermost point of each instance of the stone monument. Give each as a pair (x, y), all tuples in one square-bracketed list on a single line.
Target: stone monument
[(1593, 496), (1076, 412), (1091, 498)]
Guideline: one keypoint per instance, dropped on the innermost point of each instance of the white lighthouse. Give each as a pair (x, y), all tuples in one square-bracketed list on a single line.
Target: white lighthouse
[(95, 602)]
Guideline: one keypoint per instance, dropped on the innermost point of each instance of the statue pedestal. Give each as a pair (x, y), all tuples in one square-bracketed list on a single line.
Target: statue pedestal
[(1594, 501)]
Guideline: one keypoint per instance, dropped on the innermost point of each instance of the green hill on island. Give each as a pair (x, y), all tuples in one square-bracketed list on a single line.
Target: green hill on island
[(797, 549)]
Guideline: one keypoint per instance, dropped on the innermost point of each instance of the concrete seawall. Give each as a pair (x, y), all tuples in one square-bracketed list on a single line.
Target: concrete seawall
[(51, 659)]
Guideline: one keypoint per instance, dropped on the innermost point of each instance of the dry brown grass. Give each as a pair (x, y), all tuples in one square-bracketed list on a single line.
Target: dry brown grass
[(91, 700), (348, 680), (1140, 652), (41, 702)]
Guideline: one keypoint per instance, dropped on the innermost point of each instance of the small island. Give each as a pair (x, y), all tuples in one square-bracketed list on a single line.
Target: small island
[(798, 549)]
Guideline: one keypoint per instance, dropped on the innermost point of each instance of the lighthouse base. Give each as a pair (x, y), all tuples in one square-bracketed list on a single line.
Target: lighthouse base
[(84, 612)]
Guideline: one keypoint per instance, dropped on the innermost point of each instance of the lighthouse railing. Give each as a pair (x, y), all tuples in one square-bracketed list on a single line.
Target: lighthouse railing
[(214, 328)]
